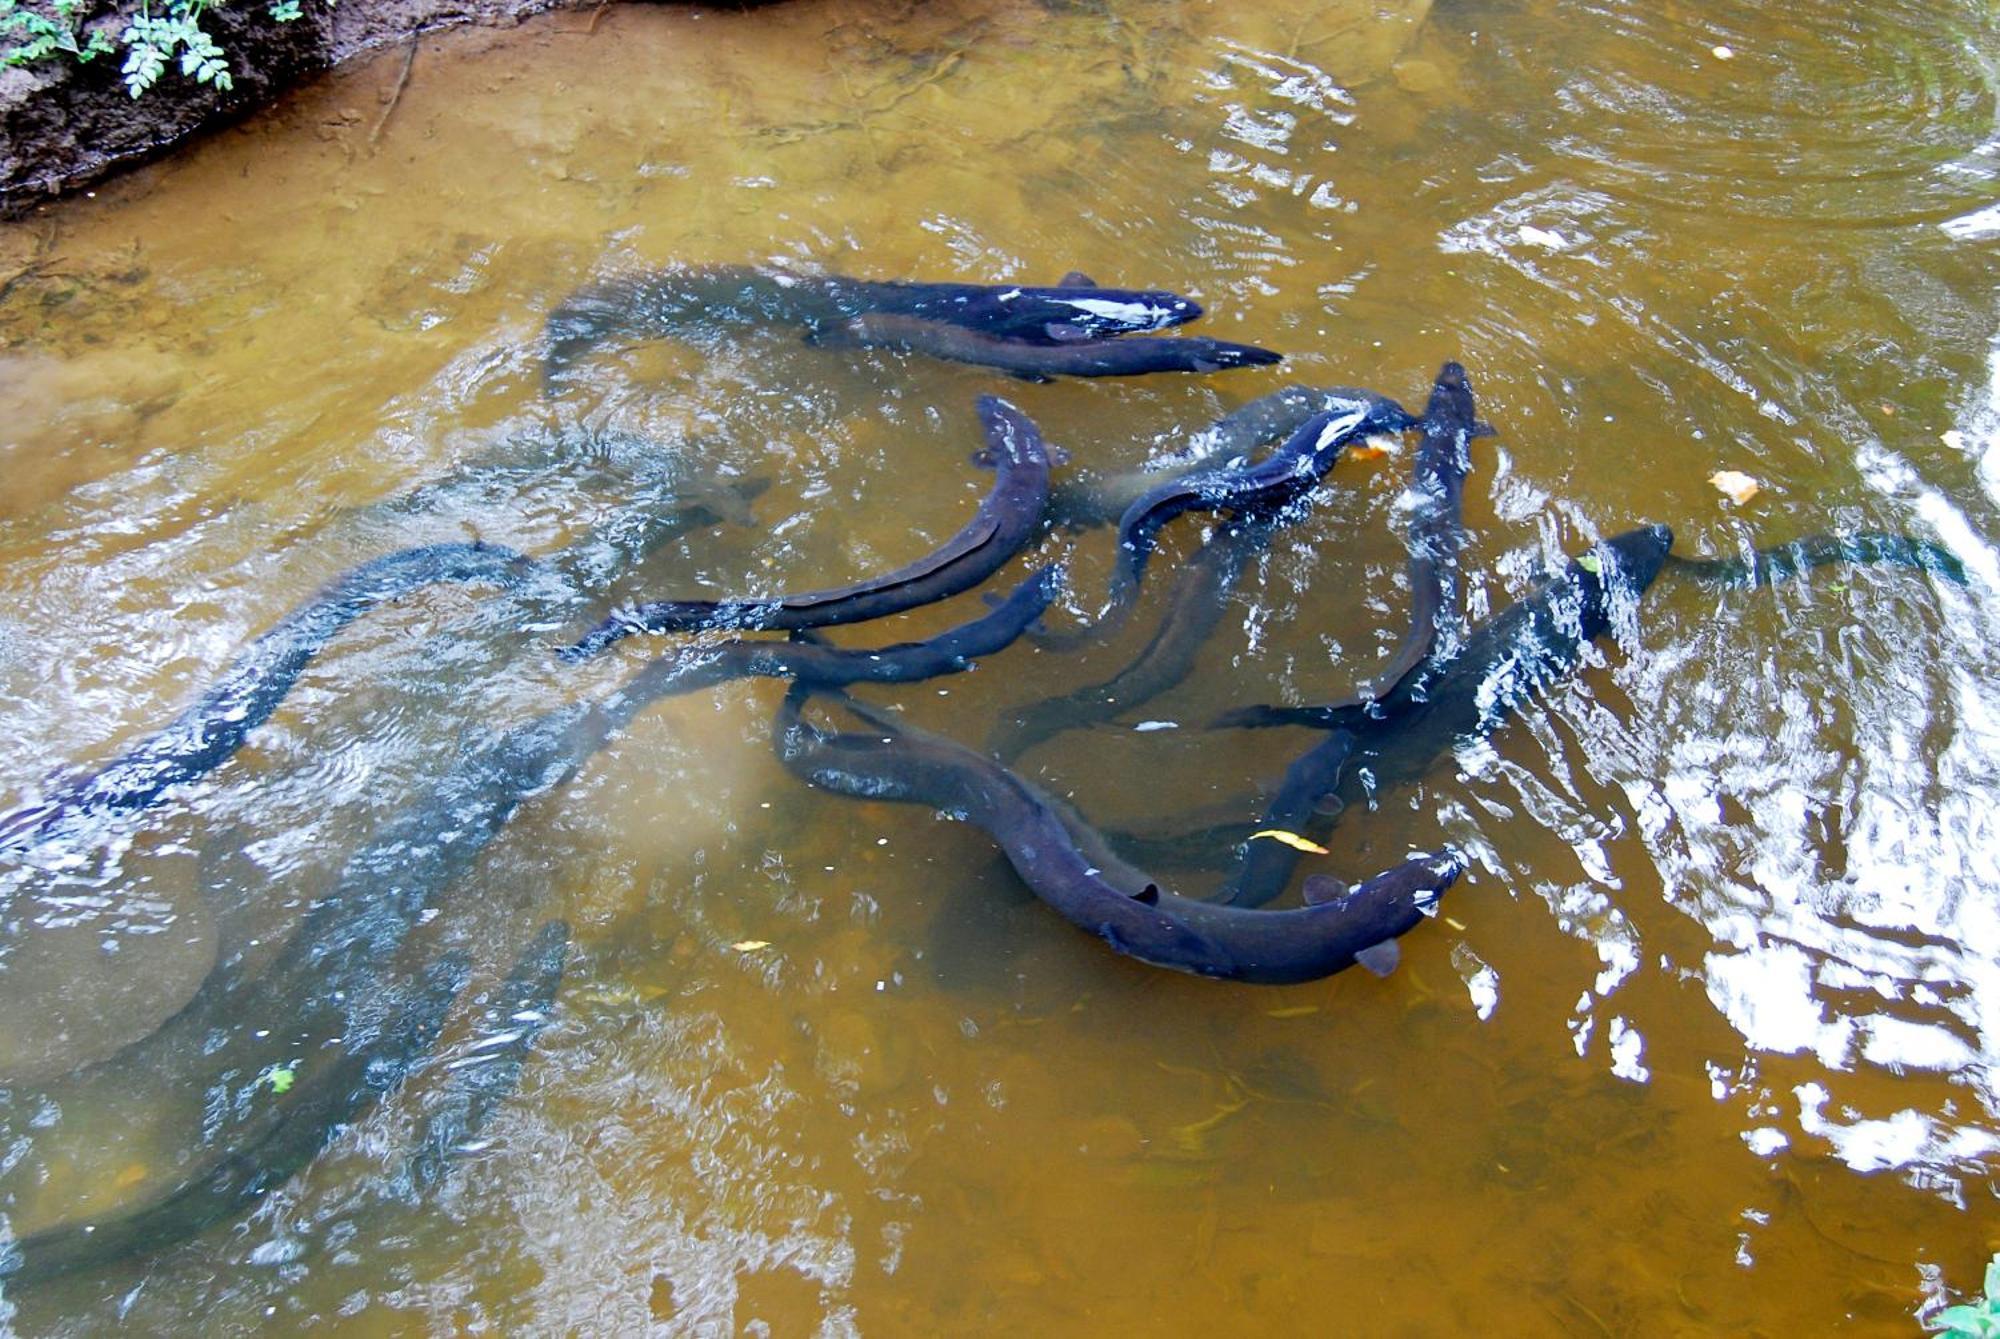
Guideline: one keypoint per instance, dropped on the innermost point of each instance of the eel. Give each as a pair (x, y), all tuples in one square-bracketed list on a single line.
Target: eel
[(329, 1092), (1008, 517), (1764, 567), (1530, 644), (208, 732), (1083, 499), (1436, 532), (1437, 489), (1197, 602), (1781, 562), (965, 322), (479, 1080), (893, 761), (1129, 357), (1243, 490), (324, 1009), (326, 1012), (1379, 745)]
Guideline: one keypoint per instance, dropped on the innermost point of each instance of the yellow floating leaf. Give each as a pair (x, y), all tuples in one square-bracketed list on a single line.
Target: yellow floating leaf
[(1293, 840), (1591, 563), (1735, 485), (1295, 1011), (750, 945)]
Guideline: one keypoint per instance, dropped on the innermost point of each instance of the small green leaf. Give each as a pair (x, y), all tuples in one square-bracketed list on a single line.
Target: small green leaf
[(1591, 563), (281, 1078)]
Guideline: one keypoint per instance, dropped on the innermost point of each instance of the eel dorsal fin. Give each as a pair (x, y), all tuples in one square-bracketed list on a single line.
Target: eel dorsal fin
[(1322, 889)]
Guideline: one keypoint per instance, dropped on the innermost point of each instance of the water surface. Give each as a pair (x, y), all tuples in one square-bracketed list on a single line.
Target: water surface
[(1706, 1042)]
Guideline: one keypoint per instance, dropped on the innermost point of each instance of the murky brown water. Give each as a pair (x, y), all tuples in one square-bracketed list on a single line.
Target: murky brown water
[(1707, 1045)]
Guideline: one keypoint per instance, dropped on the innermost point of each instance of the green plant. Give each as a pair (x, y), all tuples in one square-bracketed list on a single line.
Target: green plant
[(42, 35), (1978, 1319), (151, 42)]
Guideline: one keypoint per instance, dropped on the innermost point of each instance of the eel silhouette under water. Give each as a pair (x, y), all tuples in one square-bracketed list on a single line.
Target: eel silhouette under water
[(1072, 329), (1527, 646), (207, 733), (1008, 517), (894, 761), (476, 1082), (326, 1010)]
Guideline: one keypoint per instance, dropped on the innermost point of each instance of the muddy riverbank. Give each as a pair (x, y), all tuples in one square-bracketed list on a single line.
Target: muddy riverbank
[(66, 124)]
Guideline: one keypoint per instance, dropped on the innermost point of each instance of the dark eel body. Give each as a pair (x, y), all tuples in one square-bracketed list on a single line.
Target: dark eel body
[(1436, 530), (1197, 602), (326, 1006), (1025, 330), (892, 761), (1781, 562), (1261, 489), (1129, 357), (1376, 746), (210, 731), (1527, 646), (1007, 519), (519, 1008), (1083, 498), (204, 735)]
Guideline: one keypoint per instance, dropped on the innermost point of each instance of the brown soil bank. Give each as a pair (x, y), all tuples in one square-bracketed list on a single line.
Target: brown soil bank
[(65, 124)]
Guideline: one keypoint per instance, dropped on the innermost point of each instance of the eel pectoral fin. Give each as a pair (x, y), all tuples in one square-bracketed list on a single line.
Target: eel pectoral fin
[(1381, 959), (1150, 895), (1076, 279)]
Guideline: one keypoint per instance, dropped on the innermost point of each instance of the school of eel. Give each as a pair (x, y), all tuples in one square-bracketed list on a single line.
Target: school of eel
[(343, 1024)]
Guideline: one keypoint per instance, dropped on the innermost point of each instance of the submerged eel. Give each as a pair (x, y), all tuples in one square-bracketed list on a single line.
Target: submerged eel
[(893, 761), (1525, 647), (1070, 329), (1130, 357), (1436, 531), (1197, 602), (1008, 517), (208, 732), (1376, 746), (479, 1080), (324, 1009), (1244, 490)]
